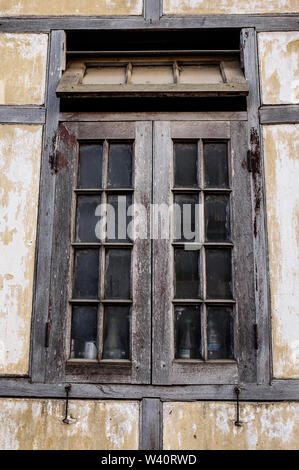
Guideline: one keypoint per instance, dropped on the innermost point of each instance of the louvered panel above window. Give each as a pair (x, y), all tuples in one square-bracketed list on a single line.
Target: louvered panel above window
[(162, 76)]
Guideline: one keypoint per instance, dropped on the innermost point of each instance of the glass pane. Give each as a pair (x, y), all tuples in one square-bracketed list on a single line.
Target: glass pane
[(200, 74), (86, 274), (216, 165), (220, 333), (219, 274), (86, 219), (185, 165), (104, 76), (217, 218), (120, 166), (187, 332), (84, 332), (117, 274), (152, 74), (186, 217), (116, 341), (187, 275), (117, 219), (90, 166)]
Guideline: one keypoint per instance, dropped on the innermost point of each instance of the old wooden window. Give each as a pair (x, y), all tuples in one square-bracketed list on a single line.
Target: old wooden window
[(162, 308)]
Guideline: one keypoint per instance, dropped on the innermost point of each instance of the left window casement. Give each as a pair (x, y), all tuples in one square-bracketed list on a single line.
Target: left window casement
[(100, 289)]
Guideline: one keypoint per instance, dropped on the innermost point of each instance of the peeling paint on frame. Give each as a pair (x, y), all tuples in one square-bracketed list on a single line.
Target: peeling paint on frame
[(202, 7), (23, 68), (70, 7), (281, 144), (210, 426), (20, 150), (279, 67), (31, 424)]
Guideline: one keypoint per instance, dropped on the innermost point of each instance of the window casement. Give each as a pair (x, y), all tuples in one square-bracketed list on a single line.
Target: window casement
[(169, 306)]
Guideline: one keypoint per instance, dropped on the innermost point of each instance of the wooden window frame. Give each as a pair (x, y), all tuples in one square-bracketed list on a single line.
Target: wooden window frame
[(42, 307), (234, 83), (166, 369), (138, 369), (59, 366)]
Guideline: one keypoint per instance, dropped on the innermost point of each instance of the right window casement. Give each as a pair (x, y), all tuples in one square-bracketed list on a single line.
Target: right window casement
[(170, 298), (203, 302)]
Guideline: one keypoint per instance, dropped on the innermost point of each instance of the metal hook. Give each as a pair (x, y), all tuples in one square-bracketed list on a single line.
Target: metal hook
[(237, 392), (66, 420)]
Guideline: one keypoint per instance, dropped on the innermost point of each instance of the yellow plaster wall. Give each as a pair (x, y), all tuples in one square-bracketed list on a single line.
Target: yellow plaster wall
[(70, 7), (23, 68), (281, 144), (202, 7), (30, 424), (210, 426), (20, 149), (279, 67)]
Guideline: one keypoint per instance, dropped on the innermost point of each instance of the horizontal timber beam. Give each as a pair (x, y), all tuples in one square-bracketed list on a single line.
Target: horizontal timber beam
[(46, 24), (22, 115), (280, 390), (284, 114)]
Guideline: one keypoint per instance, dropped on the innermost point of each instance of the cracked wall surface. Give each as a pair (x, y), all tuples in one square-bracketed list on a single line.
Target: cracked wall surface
[(70, 7), (210, 426), (23, 68), (20, 150), (31, 424), (202, 7), (279, 67)]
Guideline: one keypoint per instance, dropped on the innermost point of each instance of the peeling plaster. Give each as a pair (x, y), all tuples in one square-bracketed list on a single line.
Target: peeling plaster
[(23, 68), (202, 7), (20, 148), (70, 7), (279, 67), (28, 424), (265, 426), (281, 144)]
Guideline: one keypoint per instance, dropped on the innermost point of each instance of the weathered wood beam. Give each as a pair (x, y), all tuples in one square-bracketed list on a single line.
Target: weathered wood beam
[(283, 114), (22, 114)]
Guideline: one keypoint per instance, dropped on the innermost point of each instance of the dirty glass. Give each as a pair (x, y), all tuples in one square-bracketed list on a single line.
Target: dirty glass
[(217, 218), (187, 273), (219, 273), (116, 338), (86, 274), (84, 332), (86, 220), (118, 274), (187, 332), (216, 165), (120, 165), (90, 166), (220, 332), (185, 164)]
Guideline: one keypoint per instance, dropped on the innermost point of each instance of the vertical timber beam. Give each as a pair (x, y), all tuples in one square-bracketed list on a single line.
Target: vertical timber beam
[(150, 424), (153, 10), (41, 300), (256, 166)]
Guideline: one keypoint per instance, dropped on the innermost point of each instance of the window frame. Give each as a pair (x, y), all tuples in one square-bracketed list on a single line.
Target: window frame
[(41, 306), (58, 367), (166, 369), (122, 373)]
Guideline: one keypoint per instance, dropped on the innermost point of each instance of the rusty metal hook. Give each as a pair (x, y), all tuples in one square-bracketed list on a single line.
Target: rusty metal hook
[(66, 419), (237, 391)]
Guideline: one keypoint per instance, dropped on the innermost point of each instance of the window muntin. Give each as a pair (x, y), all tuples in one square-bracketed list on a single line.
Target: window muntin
[(101, 273), (202, 168)]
